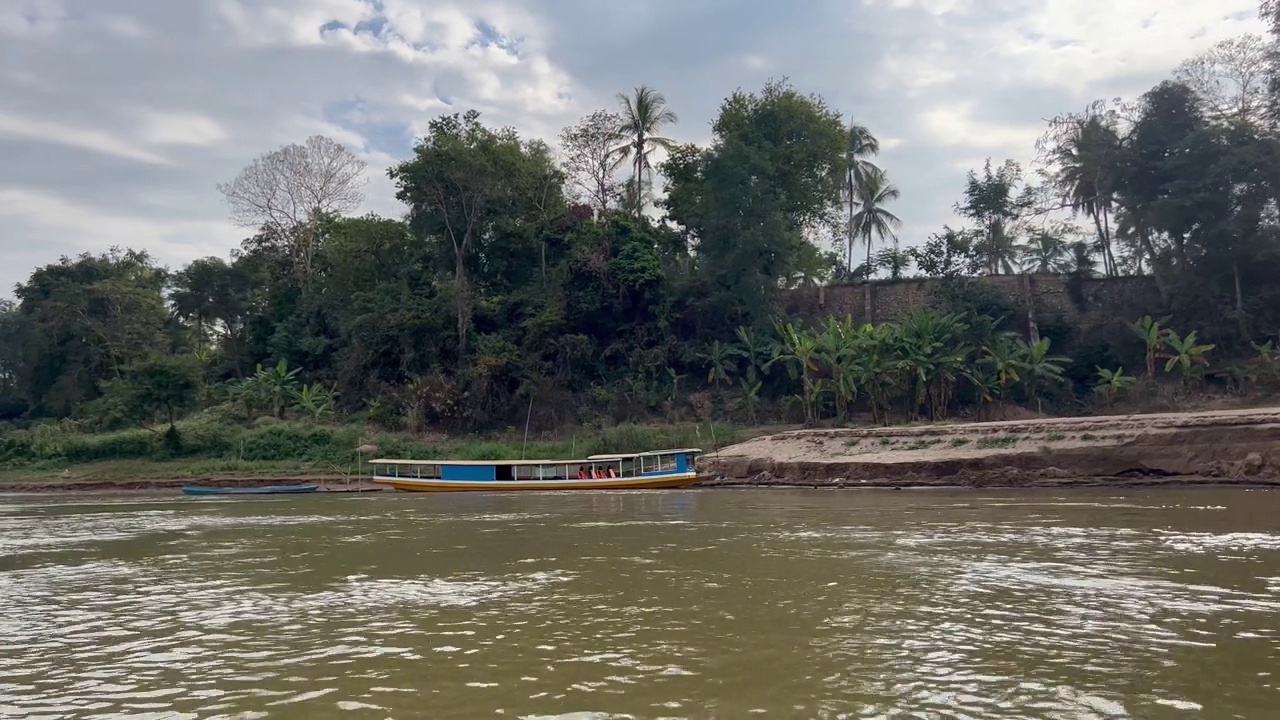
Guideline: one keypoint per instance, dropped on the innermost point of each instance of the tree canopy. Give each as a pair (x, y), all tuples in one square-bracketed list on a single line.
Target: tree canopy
[(526, 279)]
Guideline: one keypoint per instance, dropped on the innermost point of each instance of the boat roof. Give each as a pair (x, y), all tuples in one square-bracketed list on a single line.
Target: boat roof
[(592, 458), (647, 453)]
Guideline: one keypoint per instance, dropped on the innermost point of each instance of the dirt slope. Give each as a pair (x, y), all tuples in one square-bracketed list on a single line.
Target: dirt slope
[(1230, 446)]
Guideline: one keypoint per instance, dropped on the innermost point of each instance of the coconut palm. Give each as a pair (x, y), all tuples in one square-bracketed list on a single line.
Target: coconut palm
[(872, 219), (861, 146), (644, 114), (1087, 158), (1045, 253)]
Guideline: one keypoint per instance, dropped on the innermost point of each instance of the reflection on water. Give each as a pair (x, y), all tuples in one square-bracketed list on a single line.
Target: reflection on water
[(691, 604)]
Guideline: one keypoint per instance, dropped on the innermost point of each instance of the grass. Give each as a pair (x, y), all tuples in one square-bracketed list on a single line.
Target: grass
[(990, 443), (1055, 437), (207, 448)]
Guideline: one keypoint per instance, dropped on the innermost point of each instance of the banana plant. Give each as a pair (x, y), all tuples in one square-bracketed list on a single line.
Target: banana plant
[(1004, 357), (754, 349), (798, 350), (1186, 354), (315, 400), (1112, 382), (719, 361), (1039, 366), (1152, 335)]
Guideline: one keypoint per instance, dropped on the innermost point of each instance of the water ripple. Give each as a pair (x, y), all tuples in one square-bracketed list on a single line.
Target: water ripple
[(567, 607)]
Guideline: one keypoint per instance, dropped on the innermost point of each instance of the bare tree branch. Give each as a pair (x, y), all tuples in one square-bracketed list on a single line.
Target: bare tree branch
[(590, 158), (1230, 78), (287, 189)]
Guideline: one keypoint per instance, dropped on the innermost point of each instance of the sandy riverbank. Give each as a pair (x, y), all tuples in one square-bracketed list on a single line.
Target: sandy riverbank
[(1212, 447)]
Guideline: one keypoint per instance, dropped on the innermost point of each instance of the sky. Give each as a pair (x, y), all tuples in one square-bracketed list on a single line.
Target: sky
[(118, 118)]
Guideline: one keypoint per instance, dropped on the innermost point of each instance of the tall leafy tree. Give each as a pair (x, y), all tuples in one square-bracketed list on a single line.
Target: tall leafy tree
[(84, 320), (772, 176), (993, 201), (470, 188)]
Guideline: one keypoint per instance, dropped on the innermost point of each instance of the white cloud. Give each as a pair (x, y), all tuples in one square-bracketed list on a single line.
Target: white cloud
[(955, 125), (119, 117), (89, 230), (181, 128), (1073, 45), (49, 130)]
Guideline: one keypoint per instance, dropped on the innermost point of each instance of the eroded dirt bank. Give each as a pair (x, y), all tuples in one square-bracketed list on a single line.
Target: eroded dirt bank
[(1213, 447)]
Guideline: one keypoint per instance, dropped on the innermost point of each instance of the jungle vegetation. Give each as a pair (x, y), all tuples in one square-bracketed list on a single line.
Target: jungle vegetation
[(621, 276)]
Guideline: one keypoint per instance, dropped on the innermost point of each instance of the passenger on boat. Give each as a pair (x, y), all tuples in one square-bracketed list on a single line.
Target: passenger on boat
[(613, 473), (595, 473), (582, 473)]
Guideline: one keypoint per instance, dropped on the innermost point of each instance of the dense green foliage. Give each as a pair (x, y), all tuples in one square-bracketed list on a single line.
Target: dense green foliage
[(553, 287)]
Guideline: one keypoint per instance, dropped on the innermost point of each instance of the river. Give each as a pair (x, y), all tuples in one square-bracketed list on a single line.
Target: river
[(686, 604)]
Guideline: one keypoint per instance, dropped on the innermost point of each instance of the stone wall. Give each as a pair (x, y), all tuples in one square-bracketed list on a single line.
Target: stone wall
[(1086, 304)]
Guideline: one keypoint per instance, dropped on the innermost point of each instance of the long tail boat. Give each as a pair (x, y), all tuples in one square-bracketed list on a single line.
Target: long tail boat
[(268, 490), (631, 471)]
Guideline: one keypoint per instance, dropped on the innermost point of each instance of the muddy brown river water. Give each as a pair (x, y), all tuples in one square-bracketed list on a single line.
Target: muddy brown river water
[(683, 604)]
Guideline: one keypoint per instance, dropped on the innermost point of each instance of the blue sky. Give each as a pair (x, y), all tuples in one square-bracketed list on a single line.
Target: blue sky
[(119, 117)]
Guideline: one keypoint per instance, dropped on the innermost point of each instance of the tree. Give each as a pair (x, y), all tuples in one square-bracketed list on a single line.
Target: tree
[(288, 189), (11, 405), (949, 254), (83, 321), (1045, 253), (470, 187), (160, 385), (644, 114), (859, 169), (771, 178), (1230, 78), (590, 156), (991, 201), (1084, 153), (872, 219), (894, 260), (215, 295)]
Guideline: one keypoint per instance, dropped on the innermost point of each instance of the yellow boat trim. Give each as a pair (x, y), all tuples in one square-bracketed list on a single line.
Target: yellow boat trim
[(639, 483)]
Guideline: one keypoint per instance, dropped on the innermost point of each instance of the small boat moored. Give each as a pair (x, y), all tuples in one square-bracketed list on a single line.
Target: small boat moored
[(657, 469), (267, 490)]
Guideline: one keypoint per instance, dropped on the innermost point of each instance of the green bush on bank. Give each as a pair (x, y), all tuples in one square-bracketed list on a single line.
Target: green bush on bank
[(232, 448)]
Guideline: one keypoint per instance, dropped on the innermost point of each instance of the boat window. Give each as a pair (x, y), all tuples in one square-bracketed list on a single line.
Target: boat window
[(664, 463)]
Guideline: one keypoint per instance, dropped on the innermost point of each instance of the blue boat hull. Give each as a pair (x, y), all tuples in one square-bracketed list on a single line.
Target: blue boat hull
[(270, 490)]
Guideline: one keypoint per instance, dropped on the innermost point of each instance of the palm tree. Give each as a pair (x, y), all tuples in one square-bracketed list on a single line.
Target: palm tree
[(861, 145), (872, 219), (998, 249), (644, 113), (1087, 157), (1045, 253)]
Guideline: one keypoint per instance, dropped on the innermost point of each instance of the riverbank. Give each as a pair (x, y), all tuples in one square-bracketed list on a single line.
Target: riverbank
[(1238, 447), (62, 459)]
